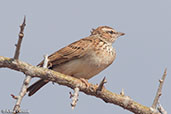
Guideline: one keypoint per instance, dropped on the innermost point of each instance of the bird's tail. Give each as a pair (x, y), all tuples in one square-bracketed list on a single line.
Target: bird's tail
[(36, 86)]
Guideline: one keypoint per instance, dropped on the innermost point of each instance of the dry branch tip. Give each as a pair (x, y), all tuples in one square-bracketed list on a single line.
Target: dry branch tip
[(101, 85), (159, 91), (74, 97)]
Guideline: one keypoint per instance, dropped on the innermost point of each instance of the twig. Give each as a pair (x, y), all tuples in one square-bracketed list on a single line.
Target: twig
[(22, 93), (74, 97), (16, 108), (101, 85), (45, 63), (27, 79), (159, 91), (23, 90), (21, 35), (161, 109), (71, 82)]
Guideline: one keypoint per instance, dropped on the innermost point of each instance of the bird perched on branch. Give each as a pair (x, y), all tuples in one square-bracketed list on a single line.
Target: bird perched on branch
[(84, 58)]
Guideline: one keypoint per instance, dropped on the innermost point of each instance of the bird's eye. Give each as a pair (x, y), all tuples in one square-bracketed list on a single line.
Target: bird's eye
[(111, 32)]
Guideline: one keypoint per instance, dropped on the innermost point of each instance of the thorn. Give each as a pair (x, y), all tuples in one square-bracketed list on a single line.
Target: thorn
[(71, 95), (165, 71), (160, 94), (24, 21), (160, 80), (101, 85), (92, 31), (122, 92), (13, 96)]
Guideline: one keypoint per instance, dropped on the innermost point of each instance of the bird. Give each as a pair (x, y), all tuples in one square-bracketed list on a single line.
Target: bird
[(84, 58)]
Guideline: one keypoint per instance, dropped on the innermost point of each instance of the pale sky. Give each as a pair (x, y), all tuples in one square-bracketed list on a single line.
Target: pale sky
[(142, 54)]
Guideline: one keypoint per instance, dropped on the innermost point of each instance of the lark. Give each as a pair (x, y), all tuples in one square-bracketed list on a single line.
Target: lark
[(84, 58)]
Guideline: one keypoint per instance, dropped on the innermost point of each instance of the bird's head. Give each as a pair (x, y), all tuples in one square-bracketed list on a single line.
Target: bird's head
[(107, 33)]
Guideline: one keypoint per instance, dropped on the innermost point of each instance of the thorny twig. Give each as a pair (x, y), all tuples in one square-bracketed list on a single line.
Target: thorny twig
[(27, 79), (21, 35), (158, 94), (74, 97)]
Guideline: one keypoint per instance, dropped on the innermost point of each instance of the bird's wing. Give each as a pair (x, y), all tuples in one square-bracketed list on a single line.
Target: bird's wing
[(73, 51)]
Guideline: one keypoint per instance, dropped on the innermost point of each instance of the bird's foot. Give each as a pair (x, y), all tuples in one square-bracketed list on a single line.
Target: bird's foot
[(85, 81)]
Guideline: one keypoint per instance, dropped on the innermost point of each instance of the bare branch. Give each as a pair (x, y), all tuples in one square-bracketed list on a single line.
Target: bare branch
[(22, 93), (74, 97), (27, 79), (161, 109), (24, 87), (21, 35), (159, 91), (107, 96)]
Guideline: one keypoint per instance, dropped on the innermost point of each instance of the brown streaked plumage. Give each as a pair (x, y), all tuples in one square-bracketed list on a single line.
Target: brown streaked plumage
[(84, 58)]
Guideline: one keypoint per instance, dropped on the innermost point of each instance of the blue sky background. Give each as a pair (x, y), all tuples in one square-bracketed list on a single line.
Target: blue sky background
[(142, 54)]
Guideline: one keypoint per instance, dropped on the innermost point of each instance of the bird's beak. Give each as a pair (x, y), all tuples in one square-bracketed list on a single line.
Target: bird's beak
[(121, 33)]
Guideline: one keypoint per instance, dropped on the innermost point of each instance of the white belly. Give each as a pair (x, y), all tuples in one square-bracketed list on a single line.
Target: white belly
[(86, 67)]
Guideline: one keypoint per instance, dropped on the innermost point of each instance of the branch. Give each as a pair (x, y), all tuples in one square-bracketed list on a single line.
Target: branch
[(74, 97), (159, 93), (107, 96), (27, 79), (22, 93), (21, 35), (24, 87)]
